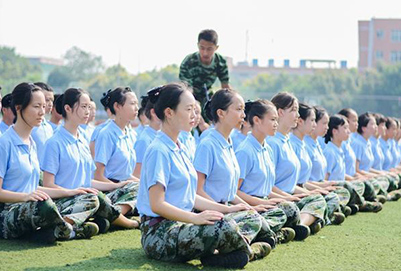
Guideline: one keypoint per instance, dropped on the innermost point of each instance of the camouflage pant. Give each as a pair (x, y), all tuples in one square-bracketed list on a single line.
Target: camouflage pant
[(174, 241), (17, 219), (125, 195), (251, 225), (276, 218), (355, 197), (78, 208), (106, 208), (292, 212), (333, 205), (343, 194), (314, 205)]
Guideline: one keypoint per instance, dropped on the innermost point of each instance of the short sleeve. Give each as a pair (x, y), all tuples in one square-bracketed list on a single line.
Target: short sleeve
[(245, 163), (274, 151), (140, 149), (358, 150), (157, 168), (222, 71), (4, 150), (104, 148), (330, 158), (203, 161), (185, 74), (50, 161)]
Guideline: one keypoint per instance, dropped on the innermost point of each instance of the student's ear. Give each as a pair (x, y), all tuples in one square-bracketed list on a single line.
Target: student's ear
[(300, 121), (67, 108), (220, 113), (217, 47), (280, 112), (256, 120), (168, 112)]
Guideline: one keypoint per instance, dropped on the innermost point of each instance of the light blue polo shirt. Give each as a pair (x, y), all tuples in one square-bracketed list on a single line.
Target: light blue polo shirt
[(306, 164), (388, 157), (237, 137), (3, 127), (363, 152), (98, 128), (216, 159), (88, 131), (53, 125), (394, 152), (188, 140), (350, 158), (256, 167), (115, 149), (19, 165), (206, 132), (377, 153), (322, 142), (143, 142), (286, 162), (68, 159), (335, 162), (167, 164), (140, 129), (40, 135), (319, 163)]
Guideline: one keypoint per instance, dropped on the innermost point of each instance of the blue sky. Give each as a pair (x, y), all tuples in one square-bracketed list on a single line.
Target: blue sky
[(151, 34)]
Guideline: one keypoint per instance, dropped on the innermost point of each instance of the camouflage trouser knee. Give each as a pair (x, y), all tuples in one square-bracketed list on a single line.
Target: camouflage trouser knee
[(106, 208), (314, 205), (333, 205), (125, 195), (384, 183), (16, 219), (370, 191), (292, 213), (393, 182), (344, 195), (355, 196), (276, 218), (251, 224), (78, 208), (174, 241)]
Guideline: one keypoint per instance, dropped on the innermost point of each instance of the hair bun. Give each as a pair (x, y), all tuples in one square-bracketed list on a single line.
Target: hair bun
[(154, 93), (106, 98)]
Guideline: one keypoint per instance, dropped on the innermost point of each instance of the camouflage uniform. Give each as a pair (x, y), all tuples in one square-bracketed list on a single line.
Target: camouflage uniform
[(78, 208), (333, 205), (17, 219), (174, 241), (106, 208), (276, 218), (197, 75), (125, 195)]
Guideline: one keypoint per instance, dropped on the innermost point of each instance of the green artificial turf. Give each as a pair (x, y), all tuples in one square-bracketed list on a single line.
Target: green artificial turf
[(365, 241)]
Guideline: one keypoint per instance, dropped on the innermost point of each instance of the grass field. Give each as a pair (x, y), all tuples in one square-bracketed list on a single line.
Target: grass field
[(365, 241)]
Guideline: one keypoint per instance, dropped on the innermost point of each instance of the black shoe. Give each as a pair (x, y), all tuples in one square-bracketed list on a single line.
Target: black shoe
[(346, 211), (354, 209), (44, 236), (380, 198), (315, 227), (301, 232), (370, 206), (86, 230), (338, 218), (236, 260), (102, 223)]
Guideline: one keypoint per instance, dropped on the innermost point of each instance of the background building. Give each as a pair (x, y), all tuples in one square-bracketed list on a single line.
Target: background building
[(379, 41)]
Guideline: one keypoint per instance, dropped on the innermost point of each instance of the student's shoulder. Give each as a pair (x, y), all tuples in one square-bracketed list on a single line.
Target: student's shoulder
[(220, 59), (190, 59)]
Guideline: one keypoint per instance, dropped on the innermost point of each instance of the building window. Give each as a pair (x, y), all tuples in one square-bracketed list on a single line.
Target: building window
[(395, 56), (396, 35), (380, 34), (379, 55)]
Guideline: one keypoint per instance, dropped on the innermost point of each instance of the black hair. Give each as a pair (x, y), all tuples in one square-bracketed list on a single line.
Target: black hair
[(320, 112), (22, 96), (346, 112), (379, 118), (363, 121), (222, 99), (118, 95), (208, 35), (257, 108), (335, 122), (283, 100), (70, 97), (44, 86), (56, 96), (389, 121), (167, 96), (6, 101), (305, 110), (105, 99)]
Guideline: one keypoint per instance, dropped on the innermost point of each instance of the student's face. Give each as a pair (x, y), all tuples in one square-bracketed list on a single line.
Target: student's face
[(322, 126), (184, 115), (81, 111), (353, 122), (92, 114), (269, 123), (49, 98), (391, 130), (381, 129), (290, 115), (309, 124), (206, 51), (235, 114), (343, 132), (198, 115), (129, 110), (370, 129), (34, 113)]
